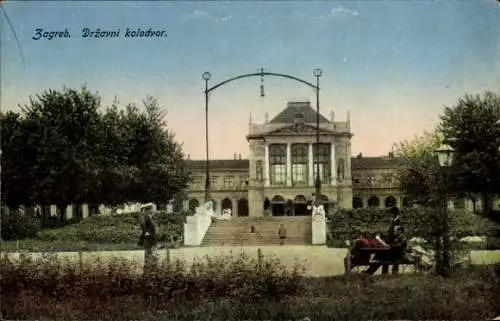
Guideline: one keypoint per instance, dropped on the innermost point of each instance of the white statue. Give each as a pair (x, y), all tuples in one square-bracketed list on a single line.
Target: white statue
[(209, 209), (206, 209), (226, 214), (318, 212)]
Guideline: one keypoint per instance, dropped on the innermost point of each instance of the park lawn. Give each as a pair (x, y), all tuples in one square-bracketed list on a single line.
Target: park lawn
[(101, 233), (485, 257)]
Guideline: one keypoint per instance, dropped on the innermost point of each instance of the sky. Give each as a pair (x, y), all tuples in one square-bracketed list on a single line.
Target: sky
[(392, 65)]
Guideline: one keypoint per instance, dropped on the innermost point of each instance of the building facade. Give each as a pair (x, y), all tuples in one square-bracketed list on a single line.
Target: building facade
[(278, 178)]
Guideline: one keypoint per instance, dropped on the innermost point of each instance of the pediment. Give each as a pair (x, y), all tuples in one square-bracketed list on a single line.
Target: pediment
[(297, 129)]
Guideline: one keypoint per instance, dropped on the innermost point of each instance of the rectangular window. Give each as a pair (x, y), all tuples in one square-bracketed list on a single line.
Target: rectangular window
[(243, 182), (300, 158), (321, 155), (228, 182), (213, 182), (198, 182), (277, 163), (324, 171), (387, 180), (278, 174), (299, 174)]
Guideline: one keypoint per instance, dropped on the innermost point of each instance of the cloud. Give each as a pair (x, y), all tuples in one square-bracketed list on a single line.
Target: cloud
[(341, 11), (202, 15)]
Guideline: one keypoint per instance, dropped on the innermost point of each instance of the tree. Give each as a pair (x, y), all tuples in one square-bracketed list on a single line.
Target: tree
[(155, 152), (16, 185), (150, 166), (473, 129), (64, 150), (418, 174), (419, 146), (62, 126)]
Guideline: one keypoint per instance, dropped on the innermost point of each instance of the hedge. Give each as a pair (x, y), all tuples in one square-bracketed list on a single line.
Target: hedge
[(418, 222), (118, 229)]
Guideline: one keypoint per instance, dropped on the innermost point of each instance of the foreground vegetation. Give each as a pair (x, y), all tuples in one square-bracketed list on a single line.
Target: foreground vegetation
[(236, 288)]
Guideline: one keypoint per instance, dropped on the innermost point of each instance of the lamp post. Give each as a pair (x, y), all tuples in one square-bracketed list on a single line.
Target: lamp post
[(317, 73), (1, 204), (445, 155), (206, 76)]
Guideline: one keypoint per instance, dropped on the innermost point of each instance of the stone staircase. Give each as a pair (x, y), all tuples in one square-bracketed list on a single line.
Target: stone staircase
[(237, 231)]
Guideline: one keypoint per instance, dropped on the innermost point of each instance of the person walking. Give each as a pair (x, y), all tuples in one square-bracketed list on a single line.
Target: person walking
[(282, 234)]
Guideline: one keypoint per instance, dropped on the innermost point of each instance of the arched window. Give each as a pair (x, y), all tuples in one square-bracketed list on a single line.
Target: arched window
[(321, 156), (242, 207), (226, 203), (390, 201), (373, 201), (357, 202), (277, 162), (299, 164)]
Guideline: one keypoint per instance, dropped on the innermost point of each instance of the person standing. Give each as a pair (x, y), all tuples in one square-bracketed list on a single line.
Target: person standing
[(395, 223), (282, 234), (148, 236)]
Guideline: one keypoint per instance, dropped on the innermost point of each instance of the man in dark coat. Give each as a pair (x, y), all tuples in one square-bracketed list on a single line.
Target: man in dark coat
[(148, 235), (395, 223)]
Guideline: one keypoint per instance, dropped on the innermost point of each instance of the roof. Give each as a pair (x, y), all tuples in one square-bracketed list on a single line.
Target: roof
[(287, 115), (243, 164), (375, 162), (220, 164)]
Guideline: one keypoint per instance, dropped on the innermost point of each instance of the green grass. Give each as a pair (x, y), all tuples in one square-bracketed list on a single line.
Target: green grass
[(102, 233)]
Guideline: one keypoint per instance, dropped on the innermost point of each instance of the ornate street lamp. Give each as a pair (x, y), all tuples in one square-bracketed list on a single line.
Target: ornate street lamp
[(317, 73), (1, 204), (445, 154), (206, 76)]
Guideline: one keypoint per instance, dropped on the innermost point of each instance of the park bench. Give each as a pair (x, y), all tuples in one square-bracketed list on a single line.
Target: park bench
[(361, 257)]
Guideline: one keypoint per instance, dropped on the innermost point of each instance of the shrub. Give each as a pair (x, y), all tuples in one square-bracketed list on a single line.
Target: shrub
[(98, 284), (118, 229), (418, 222), (235, 288), (17, 226)]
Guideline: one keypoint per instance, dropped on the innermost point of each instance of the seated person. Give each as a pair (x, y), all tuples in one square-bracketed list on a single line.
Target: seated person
[(367, 240), (397, 251), (376, 242)]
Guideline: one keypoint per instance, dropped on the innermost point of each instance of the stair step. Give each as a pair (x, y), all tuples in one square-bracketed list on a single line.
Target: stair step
[(237, 231)]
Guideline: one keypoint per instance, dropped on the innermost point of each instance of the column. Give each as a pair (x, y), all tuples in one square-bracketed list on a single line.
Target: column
[(288, 164), (69, 212), (311, 164), (266, 165), (333, 165), (85, 210)]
